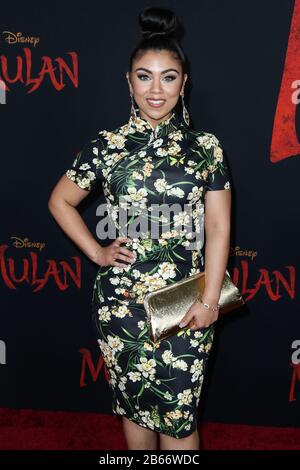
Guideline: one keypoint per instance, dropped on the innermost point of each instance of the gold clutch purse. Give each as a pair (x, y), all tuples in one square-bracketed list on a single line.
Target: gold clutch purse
[(166, 306)]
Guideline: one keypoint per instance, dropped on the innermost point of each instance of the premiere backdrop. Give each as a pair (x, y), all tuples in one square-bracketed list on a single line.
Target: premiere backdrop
[(63, 66)]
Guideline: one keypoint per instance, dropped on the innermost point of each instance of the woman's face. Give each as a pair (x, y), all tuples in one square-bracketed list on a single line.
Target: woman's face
[(156, 76)]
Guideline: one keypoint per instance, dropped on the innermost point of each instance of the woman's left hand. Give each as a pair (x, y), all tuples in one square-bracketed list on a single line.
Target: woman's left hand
[(199, 316)]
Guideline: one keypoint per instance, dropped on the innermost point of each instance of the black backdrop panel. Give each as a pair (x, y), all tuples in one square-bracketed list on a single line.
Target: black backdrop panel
[(238, 53)]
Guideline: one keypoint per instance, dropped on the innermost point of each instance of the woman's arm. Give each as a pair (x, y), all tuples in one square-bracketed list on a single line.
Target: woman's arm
[(217, 221), (62, 203)]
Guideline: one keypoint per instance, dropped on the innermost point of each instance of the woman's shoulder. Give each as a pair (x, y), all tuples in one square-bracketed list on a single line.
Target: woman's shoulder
[(124, 128), (114, 136), (205, 139)]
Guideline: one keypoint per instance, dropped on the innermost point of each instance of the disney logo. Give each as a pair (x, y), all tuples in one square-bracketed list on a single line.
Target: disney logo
[(12, 38), (25, 243)]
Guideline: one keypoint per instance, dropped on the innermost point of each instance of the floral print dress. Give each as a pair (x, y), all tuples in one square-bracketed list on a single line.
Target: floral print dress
[(156, 385)]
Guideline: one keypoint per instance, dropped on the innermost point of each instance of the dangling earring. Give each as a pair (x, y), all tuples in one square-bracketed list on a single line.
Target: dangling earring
[(132, 111), (185, 113)]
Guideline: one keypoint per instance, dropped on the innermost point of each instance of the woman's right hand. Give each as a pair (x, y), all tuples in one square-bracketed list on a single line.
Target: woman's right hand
[(109, 255)]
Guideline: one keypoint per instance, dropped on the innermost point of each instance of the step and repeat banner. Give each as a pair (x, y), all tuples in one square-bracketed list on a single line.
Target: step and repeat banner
[(62, 72)]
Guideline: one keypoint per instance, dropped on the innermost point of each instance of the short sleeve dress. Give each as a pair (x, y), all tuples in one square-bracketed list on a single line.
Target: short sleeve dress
[(156, 385)]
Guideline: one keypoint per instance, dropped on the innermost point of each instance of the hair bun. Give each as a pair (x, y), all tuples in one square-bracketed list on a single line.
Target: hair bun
[(155, 21)]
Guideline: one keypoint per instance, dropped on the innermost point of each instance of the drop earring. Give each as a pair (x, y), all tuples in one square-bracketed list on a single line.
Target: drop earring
[(132, 111), (185, 113)]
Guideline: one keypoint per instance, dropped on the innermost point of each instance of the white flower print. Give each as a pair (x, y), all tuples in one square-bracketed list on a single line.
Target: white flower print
[(162, 152), (185, 398), (147, 367), (157, 143), (175, 191), (115, 343), (104, 313), (153, 282), (181, 219), (167, 270), (135, 376), (174, 149), (218, 154), (136, 196), (147, 169), (85, 166), (161, 185), (121, 311), (141, 325), (208, 140), (180, 364), (195, 195), (155, 384), (167, 357), (115, 140), (137, 176), (196, 369)]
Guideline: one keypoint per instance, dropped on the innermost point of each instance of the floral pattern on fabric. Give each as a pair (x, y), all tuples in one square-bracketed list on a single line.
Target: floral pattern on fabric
[(156, 385)]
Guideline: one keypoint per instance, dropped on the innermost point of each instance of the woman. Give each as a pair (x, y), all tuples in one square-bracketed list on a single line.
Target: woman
[(154, 158)]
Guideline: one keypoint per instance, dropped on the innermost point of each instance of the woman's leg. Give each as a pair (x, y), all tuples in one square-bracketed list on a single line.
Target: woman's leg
[(137, 437), (191, 442)]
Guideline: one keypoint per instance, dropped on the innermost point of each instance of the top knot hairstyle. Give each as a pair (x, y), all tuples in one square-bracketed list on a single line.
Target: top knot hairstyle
[(161, 30), (157, 21)]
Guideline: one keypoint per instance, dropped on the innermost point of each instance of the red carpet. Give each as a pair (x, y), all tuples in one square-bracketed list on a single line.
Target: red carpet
[(49, 430)]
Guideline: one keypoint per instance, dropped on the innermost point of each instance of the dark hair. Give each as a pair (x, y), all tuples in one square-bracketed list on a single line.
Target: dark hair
[(161, 30)]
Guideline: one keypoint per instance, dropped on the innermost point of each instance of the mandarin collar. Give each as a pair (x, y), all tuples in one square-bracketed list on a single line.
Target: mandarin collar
[(142, 125)]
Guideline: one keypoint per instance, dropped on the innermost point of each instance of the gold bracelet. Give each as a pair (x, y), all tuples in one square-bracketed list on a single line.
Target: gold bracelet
[(206, 305)]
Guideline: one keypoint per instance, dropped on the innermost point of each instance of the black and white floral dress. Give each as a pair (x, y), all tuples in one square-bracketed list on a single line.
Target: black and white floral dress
[(155, 385)]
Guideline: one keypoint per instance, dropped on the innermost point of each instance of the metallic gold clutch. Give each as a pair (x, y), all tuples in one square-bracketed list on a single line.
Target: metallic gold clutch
[(166, 306)]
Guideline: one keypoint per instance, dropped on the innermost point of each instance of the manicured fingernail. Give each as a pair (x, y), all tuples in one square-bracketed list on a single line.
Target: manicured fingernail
[(181, 325)]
